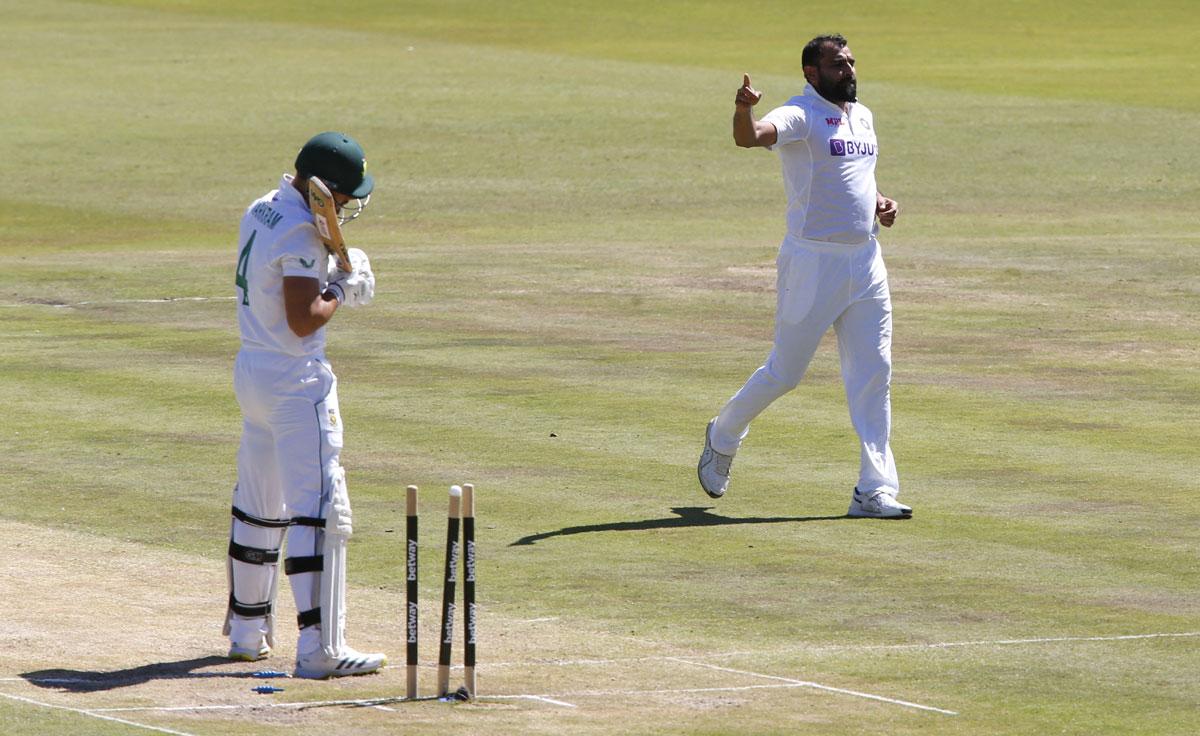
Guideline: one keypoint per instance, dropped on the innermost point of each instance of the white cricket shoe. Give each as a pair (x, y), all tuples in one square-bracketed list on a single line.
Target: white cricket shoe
[(241, 653), (877, 505), (316, 666), (713, 468)]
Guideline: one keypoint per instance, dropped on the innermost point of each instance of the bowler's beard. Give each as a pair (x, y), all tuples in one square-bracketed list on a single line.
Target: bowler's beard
[(836, 92)]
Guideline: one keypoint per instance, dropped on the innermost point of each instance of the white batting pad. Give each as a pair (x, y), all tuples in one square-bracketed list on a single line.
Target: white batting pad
[(338, 528)]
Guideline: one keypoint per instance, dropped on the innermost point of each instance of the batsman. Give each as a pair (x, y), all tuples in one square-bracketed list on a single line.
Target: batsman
[(289, 477)]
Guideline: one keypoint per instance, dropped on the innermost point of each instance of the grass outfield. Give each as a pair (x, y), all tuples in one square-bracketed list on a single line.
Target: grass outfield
[(575, 269)]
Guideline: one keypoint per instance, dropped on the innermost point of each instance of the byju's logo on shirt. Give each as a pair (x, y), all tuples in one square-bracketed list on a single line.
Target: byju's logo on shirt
[(839, 147)]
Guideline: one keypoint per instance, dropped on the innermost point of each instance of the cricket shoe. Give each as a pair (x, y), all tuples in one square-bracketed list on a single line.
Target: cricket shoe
[(239, 653), (713, 468), (877, 505), (316, 666)]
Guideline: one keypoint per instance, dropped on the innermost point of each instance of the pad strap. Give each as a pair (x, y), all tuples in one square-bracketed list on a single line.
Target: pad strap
[(308, 521), (253, 555), (254, 610), (297, 565), (252, 520), (311, 617)]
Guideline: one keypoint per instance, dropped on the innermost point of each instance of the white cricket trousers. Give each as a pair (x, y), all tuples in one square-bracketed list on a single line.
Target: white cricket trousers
[(820, 285), (287, 461)]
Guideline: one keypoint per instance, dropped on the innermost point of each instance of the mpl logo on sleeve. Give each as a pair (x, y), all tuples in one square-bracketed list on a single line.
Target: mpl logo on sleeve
[(839, 147)]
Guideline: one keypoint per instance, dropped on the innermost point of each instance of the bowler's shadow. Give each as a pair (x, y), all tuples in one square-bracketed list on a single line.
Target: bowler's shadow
[(686, 516), (85, 681)]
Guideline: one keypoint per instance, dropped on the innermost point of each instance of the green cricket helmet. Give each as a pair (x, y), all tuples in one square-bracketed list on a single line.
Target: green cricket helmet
[(338, 160)]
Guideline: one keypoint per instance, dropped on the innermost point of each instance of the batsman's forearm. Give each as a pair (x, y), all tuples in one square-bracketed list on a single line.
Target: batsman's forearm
[(319, 313), (306, 308)]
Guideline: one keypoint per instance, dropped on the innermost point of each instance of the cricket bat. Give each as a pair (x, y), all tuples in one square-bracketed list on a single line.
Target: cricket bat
[(324, 211)]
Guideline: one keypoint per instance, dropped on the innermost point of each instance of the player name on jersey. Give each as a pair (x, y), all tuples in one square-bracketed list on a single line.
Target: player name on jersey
[(264, 214)]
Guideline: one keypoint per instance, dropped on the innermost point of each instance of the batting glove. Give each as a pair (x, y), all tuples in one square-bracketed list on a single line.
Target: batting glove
[(358, 262), (353, 289)]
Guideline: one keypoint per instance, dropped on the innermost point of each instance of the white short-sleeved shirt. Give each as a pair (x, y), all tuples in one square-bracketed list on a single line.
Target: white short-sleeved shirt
[(828, 160), (277, 238)]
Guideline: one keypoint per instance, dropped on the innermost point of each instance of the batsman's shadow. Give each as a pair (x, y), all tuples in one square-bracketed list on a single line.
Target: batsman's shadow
[(685, 516), (89, 681)]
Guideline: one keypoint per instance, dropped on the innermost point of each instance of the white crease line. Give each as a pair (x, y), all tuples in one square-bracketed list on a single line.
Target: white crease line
[(720, 655), (187, 708), (246, 706), (93, 714), (953, 644), (601, 661), (819, 686), (116, 682), (378, 703), (160, 300), (690, 659), (840, 647), (1044, 640), (660, 691), (549, 698), (542, 698)]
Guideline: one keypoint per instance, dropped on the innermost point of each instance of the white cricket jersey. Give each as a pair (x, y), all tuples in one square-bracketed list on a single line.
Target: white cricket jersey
[(277, 238), (828, 160)]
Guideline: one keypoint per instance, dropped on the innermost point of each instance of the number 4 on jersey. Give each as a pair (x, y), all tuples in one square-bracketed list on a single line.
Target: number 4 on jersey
[(243, 264)]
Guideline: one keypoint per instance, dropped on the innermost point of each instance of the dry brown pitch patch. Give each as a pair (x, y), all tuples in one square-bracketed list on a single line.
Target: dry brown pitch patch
[(127, 636)]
